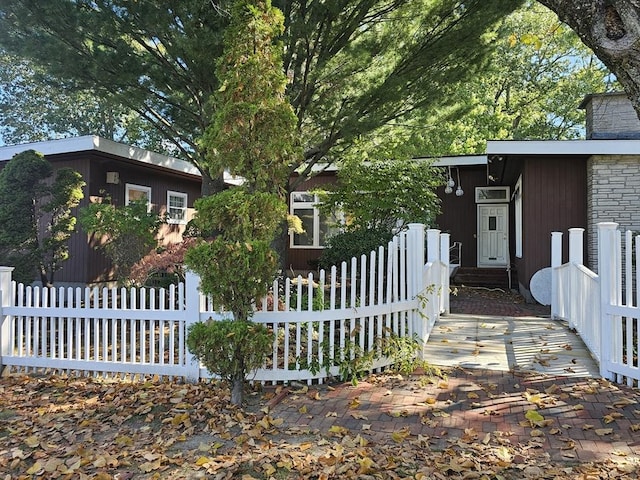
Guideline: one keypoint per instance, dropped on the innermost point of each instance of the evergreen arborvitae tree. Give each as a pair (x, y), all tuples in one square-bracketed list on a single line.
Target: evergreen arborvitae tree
[(253, 134), (36, 219), (66, 194), (21, 184)]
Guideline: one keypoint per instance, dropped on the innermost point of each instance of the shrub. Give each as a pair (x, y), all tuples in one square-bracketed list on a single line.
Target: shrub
[(162, 267), (129, 231), (353, 243)]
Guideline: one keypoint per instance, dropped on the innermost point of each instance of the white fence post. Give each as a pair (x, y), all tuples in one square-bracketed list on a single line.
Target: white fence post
[(415, 260), (416, 252), (5, 301), (433, 245), (556, 261), (576, 254), (607, 264), (576, 257), (444, 258), (192, 315)]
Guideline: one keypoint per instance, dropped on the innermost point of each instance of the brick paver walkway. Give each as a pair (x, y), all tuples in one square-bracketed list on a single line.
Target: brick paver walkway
[(579, 419), (493, 302), (566, 418)]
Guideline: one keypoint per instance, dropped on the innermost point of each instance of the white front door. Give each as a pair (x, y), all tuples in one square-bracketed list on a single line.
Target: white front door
[(493, 235)]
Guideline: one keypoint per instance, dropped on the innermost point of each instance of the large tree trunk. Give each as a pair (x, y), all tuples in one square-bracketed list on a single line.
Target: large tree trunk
[(211, 186), (611, 28)]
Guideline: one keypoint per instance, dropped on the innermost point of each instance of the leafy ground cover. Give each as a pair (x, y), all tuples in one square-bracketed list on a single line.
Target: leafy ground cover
[(80, 428)]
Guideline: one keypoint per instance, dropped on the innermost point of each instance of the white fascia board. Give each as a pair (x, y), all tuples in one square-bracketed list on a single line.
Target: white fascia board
[(458, 161), (144, 156), (563, 147), (99, 144), (453, 161), (232, 179), (49, 147)]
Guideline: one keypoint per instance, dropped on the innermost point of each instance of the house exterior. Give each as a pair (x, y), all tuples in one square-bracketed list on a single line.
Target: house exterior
[(499, 208), (127, 173), (124, 173), (521, 191)]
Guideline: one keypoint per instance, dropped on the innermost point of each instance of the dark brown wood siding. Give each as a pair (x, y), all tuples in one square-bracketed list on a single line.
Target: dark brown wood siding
[(458, 215), (88, 264), (75, 269), (554, 193)]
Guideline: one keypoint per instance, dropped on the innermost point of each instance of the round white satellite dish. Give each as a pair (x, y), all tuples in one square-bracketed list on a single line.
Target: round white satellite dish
[(540, 286)]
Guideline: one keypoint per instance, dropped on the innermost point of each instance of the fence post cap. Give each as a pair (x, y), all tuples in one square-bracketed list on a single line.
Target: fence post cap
[(607, 225)]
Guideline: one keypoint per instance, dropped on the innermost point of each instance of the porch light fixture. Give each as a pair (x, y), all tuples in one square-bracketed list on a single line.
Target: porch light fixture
[(459, 191), (450, 184)]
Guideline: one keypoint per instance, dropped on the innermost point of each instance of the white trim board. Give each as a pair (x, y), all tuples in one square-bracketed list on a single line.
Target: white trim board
[(563, 147), (99, 144), (457, 160)]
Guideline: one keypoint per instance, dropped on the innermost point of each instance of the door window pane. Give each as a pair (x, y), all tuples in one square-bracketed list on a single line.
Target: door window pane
[(492, 194)]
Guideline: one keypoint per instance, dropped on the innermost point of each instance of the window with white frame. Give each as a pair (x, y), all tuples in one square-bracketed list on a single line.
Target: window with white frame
[(492, 194), (317, 226), (517, 192), (176, 207), (135, 193)]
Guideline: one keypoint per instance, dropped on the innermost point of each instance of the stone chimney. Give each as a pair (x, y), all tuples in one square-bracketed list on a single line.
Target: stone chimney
[(610, 116)]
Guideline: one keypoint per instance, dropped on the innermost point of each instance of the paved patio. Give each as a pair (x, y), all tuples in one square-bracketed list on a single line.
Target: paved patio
[(505, 374)]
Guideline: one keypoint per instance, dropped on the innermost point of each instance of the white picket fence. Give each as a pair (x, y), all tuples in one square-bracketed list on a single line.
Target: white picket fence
[(604, 308), (316, 322)]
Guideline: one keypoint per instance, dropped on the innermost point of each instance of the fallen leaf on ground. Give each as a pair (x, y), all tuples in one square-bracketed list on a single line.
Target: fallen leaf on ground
[(535, 419)]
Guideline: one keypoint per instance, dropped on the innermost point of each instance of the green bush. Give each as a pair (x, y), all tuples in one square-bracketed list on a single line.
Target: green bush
[(240, 214), (130, 232), (234, 274), (353, 243)]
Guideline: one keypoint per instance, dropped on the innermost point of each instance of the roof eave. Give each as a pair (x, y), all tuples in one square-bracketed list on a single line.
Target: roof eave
[(457, 160), (563, 147), (99, 144)]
